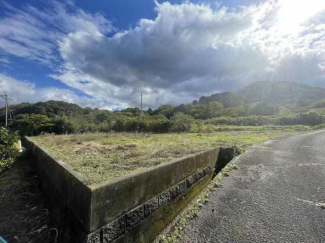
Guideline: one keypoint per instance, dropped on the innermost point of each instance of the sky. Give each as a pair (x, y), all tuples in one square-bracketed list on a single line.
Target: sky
[(105, 53)]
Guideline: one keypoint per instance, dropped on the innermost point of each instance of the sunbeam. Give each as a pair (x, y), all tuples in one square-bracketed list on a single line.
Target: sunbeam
[(292, 14)]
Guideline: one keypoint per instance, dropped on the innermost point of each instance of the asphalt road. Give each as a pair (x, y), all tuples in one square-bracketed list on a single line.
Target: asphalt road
[(276, 195)]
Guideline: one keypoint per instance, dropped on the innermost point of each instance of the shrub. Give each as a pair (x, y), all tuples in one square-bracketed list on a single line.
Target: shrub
[(155, 124), (287, 120), (208, 128), (160, 125), (242, 121), (221, 121), (8, 153), (105, 126), (63, 126), (320, 104), (181, 122), (310, 118)]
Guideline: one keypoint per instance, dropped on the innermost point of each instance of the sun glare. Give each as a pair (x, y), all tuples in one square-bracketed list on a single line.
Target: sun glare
[(293, 13)]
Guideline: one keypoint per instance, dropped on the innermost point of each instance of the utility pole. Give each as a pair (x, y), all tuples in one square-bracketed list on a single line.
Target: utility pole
[(5, 97), (141, 108)]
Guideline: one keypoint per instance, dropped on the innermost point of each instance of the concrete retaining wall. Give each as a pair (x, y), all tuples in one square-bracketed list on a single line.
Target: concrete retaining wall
[(146, 221), (133, 208), (68, 183)]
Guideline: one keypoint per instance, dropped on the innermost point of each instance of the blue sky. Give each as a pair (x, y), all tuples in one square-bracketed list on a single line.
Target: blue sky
[(105, 53), (124, 14)]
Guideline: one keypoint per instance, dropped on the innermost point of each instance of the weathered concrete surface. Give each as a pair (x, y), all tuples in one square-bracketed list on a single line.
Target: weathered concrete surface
[(67, 183), (107, 210), (146, 221), (272, 197), (110, 200), (148, 229)]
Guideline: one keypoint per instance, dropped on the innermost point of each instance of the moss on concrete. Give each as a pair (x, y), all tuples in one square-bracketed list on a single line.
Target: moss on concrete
[(174, 233)]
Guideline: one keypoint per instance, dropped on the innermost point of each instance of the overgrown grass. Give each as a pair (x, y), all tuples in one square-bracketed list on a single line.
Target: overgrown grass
[(103, 156)]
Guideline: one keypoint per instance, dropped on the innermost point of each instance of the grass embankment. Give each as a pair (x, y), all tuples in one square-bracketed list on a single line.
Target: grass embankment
[(104, 156)]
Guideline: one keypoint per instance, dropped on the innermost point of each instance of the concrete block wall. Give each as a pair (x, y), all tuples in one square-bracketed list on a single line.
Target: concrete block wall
[(133, 208), (122, 228)]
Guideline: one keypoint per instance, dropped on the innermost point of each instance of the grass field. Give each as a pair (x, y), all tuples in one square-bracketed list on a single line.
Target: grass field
[(103, 156)]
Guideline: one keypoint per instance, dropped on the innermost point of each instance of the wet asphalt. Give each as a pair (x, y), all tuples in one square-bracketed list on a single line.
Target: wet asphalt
[(276, 195)]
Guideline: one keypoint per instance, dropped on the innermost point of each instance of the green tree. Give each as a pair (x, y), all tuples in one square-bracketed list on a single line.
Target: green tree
[(181, 122), (63, 126), (150, 111), (212, 109), (160, 124), (166, 110), (103, 116), (263, 109), (8, 153), (33, 124)]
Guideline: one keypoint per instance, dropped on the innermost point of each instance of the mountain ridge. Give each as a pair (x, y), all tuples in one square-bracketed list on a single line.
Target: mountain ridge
[(282, 93), (266, 93)]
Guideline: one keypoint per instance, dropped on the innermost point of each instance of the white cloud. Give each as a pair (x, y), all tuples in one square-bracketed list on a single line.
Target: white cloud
[(187, 51), (33, 33), (191, 49), (24, 91), (4, 60)]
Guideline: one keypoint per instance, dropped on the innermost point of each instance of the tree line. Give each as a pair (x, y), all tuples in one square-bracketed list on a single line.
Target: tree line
[(64, 118)]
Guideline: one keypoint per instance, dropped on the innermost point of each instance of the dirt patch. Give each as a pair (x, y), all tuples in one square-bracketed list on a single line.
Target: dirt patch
[(24, 216)]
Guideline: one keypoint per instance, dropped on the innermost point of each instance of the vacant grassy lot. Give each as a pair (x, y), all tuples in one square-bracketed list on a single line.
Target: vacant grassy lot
[(103, 156)]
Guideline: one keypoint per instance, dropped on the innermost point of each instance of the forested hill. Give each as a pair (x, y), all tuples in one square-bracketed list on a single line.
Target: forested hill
[(282, 93), (49, 108), (288, 94), (260, 103), (55, 116), (277, 94)]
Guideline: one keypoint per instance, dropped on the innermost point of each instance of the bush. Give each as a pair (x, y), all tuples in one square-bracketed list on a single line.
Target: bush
[(155, 124), (160, 124), (208, 128), (287, 120), (221, 121), (181, 122), (8, 153), (118, 125), (242, 121), (310, 118), (320, 104), (105, 127), (63, 126)]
